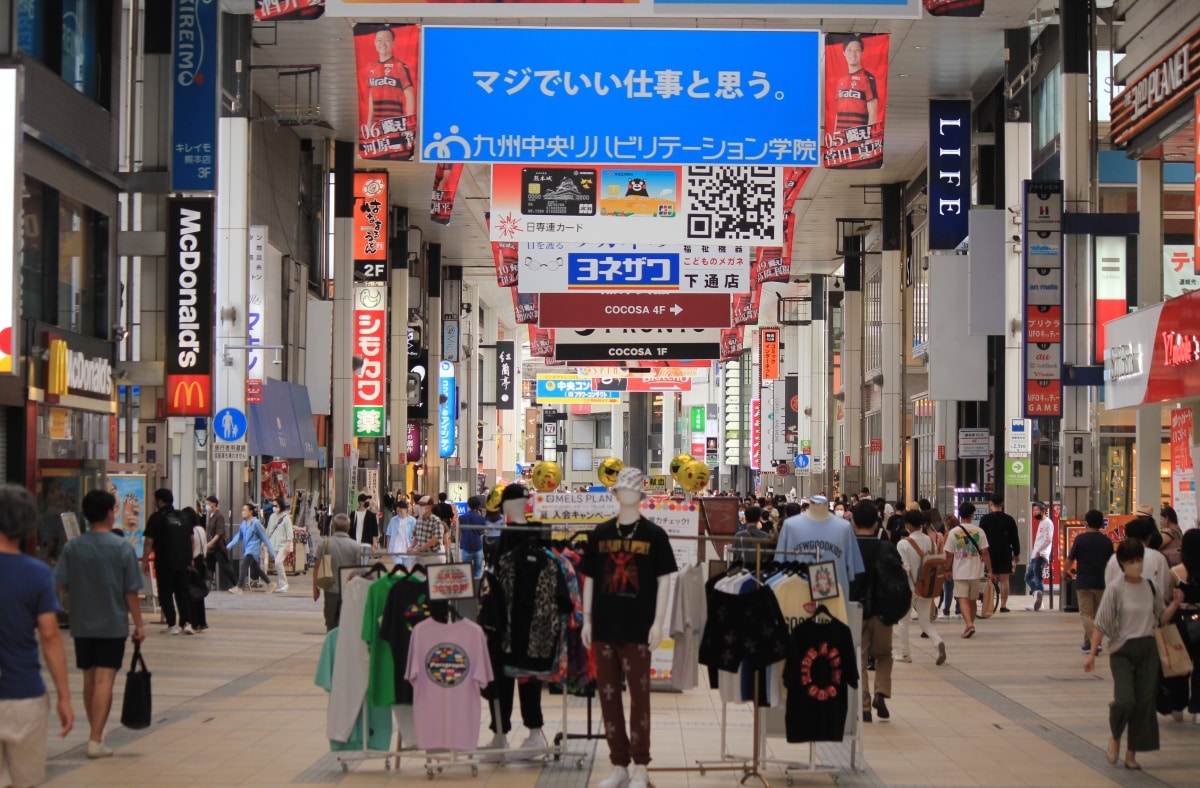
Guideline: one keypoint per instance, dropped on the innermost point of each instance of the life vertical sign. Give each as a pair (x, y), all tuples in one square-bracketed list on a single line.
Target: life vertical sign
[(949, 173)]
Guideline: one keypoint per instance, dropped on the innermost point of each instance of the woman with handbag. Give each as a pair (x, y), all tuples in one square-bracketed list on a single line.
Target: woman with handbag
[(1183, 692), (1130, 611)]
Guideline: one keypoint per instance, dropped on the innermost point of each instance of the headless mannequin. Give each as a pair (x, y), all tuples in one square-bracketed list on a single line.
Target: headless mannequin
[(514, 511)]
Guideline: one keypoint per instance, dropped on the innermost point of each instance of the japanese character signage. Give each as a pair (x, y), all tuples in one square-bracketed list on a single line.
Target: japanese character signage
[(288, 10), (525, 307), (507, 261), (609, 344), (1181, 274), (949, 173), (256, 298), (370, 344), (555, 267), (731, 343), (1043, 333), (555, 389), (544, 95), (541, 342), (505, 374), (445, 189), (190, 248), (450, 581), (574, 508), (856, 76), (10, 104), (370, 226), (194, 82), (387, 90), (694, 205), (768, 350), (447, 410)]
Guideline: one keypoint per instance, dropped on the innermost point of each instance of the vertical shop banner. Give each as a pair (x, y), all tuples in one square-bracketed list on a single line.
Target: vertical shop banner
[(755, 433), (1043, 333), (447, 410), (768, 354), (731, 343), (541, 342), (370, 344), (1183, 479), (505, 374), (793, 183), (770, 265), (387, 58), (256, 299), (190, 318), (445, 189), (968, 8), (506, 256), (10, 111), (288, 10), (525, 308), (412, 442), (745, 306), (949, 173), (791, 419), (370, 226), (856, 77), (194, 82), (1110, 285)]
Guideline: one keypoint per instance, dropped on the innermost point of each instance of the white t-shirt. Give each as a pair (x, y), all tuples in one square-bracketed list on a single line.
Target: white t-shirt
[(1154, 568), (968, 562), (913, 560)]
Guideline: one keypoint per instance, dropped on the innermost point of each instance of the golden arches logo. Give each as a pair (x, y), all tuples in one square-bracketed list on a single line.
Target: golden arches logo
[(59, 368)]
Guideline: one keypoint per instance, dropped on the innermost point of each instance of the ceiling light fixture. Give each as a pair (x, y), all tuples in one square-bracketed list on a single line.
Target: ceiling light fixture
[(920, 48)]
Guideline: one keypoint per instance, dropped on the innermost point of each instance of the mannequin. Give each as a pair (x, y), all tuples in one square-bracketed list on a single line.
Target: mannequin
[(626, 557), (818, 535), (500, 691), (818, 508)]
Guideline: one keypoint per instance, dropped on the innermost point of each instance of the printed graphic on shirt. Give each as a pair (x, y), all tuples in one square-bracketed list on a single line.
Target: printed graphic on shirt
[(821, 672), (621, 572), (447, 665), (963, 545), (416, 612)]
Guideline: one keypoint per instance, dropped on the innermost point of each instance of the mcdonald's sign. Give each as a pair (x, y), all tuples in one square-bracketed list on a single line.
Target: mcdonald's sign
[(189, 395), (58, 366)]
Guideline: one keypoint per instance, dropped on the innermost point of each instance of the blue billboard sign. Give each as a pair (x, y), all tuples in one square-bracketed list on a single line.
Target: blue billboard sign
[(563, 95), (623, 270), (447, 410), (194, 82), (949, 173), (563, 389)]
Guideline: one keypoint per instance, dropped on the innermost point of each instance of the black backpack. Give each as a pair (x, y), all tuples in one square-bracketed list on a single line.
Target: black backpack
[(891, 598)]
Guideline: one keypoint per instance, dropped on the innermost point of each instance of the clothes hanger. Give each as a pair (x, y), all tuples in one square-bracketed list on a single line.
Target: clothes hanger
[(822, 612), (399, 567)]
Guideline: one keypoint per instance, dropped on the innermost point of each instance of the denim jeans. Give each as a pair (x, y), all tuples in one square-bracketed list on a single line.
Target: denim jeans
[(947, 596), (250, 569), (475, 559), (1033, 575)]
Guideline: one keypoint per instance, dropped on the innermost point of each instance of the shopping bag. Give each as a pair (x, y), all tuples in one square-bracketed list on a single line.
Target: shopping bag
[(136, 707), (1172, 653), (988, 605), (325, 578)]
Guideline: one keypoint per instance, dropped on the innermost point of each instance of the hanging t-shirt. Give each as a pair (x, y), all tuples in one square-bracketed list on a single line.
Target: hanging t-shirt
[(381, 685), (379, 718), (407, 605), (625, 564), (821, 664), (349, 686), (829, 539), (688, 616), (448, 667)]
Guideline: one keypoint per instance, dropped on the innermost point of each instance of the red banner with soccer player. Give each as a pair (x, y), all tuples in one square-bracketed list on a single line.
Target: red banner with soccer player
[(505, 253), (731, 343), (971, 8), (793, 182), (525, 307), (288, 10), (856, 75), (445, 188), (387, 90), (541, 342)]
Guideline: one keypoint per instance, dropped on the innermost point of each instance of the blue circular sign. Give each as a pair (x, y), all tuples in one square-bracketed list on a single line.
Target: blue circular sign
[(802, 461), (229, 425)]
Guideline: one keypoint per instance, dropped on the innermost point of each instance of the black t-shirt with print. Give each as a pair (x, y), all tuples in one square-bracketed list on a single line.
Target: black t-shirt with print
[(821, 664), (407, 605), (625, 564)]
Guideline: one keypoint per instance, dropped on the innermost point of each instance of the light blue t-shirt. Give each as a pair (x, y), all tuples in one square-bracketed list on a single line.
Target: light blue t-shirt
[(832, 539), (99, 568)]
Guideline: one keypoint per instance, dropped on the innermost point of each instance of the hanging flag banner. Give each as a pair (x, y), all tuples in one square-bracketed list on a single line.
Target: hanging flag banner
[(370, 344), (770, 266), (288, 10), (971, 8), (193, 96), (949, 173), (856, 72), (553, 267), (505, 255), (731, 343), (505, 377), (793, 182), (695, 204), (445, 188), (370, 226), (525, 307), (447, 410), (1183, 479), (535, 94), (541, 342), (387, 58)]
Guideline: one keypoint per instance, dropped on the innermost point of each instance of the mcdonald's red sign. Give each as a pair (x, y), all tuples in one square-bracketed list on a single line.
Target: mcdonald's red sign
[(189, 395)]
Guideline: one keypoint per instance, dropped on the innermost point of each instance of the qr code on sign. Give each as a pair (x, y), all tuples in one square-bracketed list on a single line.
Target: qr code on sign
[(734, 203)]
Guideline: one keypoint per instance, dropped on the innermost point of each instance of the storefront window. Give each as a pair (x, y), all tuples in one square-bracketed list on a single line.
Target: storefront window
[(78, 50), (1046, 102), (923, 443), (873, 339), (72, 447)]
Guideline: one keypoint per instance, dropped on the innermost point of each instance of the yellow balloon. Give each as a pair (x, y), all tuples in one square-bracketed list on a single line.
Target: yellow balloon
[(546, 476), (493, 497), (608, 470), (678, 464), (694, 476)]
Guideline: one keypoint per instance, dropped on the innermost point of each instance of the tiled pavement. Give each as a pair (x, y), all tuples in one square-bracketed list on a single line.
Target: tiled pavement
[(1012, 707)]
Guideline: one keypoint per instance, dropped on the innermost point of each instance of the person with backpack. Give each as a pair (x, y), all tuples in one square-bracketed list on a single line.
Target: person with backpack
[(967, 551), (882, 589), (746, 549), (926, 569), (169, 539)]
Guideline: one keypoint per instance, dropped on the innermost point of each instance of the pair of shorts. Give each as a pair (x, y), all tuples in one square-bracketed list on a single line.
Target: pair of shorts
[(99, 653), (966, 589), (23, 726)]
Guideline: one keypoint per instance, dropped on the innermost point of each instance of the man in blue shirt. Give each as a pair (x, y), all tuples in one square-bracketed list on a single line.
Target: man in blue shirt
[(252, 538), (30, 605), (470, 540)]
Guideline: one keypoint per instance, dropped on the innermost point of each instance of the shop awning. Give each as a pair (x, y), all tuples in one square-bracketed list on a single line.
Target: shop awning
[(282, 425)]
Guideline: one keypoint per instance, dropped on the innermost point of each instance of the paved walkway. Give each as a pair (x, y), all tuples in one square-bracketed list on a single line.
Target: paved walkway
[(1012, 707)]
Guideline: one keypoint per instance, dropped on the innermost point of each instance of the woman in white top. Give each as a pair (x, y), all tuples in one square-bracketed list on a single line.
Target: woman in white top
[(279, 531), (914, 547), (1129, 612)]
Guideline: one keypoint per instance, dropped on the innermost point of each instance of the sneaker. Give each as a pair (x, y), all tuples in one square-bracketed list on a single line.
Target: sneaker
[(880, 706), (618, 778), (1196, 719), (925, 636), (271, 588), (174, 630), (1037, 600), (941, 657), (866, 716), (499, 742), (1085, 649), (907, 659), (1177, 716), (96, 749), (639, 777), (236, 590), (282, 589), (187, 629), (529, 749)]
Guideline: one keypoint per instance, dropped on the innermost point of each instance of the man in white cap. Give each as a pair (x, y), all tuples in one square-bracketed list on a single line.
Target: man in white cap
[(429, 533)]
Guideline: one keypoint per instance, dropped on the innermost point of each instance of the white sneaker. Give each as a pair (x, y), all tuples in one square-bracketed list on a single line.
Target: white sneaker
[(271, 588), (618, 778), (1037, 600), (173, 630), (499, 742), (907, 658), (1177, 716), (282, 589), (188, 630), (1196, 719), (528, 751), (639, 777), (96, 749), (236, 590)]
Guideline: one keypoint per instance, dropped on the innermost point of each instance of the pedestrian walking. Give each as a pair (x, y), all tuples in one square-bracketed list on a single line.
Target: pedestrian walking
[(30, 606), (1182, 693), (282, 538), (876, 635), (100, 572), (252, 537), (1129, 611), (1039, 556), (915, 549), (1004, 545), (344, 551), (967, 548), (470, 540), (198, 571), (1085, 564), (169, 539)]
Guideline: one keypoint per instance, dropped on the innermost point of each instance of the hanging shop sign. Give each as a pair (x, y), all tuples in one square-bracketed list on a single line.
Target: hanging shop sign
[(634, 310), (505, 379), (558, 9), (856, 77), (755, 434), (447, 410), (949, 173), (1153, 355), (387, 60), (370, 226), (536, 95), (555, 267), (1043, 329), (507, 259), (694, 204), (1110, 285), (194, 82), (445, 189), (794, 179), (768, 353), (190, 318), (569, 389), (1181, 274), (370, 345), (288, 10), (10, 110), (526, 307), (608, 344), (731, 343), (256, 299), (1154, 93)]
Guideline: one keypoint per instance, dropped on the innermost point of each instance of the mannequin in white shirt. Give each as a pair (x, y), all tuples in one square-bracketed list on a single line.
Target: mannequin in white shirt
[(818, 509)]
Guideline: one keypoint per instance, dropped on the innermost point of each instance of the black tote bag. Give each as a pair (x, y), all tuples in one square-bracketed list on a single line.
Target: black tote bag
[(136, 707)]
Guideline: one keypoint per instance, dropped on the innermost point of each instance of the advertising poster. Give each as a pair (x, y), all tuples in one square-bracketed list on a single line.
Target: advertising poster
[(731, 343), (445, 189), (755, 433), (856, 75), (130, 492), (745, 308), (288, 10), (693, 204), (793, 183), (370, 344), (525, 307), (555, 267), (505, 255), (1183, 478), (1180, 272), (387, 59), (969, 8), (541, 342)]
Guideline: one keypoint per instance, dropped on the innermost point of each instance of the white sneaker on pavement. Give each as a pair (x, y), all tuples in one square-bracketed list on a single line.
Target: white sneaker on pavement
[(618, 778), (173, 630), (907, 658), (188, 630), (282, 589), (96, 749), (236, 590), (271, 588), (499, 742), (639, 777)]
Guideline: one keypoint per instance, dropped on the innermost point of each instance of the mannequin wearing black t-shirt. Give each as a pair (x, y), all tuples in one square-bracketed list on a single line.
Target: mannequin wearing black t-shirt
[(625, 561)]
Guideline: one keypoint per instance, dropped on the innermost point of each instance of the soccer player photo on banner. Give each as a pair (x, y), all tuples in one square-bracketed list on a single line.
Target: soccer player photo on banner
[(855, 101), (387, 90), (445, 189)]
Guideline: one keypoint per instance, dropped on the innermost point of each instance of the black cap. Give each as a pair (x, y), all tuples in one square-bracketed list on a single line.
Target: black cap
[(514, 491)]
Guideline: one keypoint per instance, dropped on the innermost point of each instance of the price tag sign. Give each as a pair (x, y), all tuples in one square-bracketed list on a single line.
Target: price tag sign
[(450, 581)]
